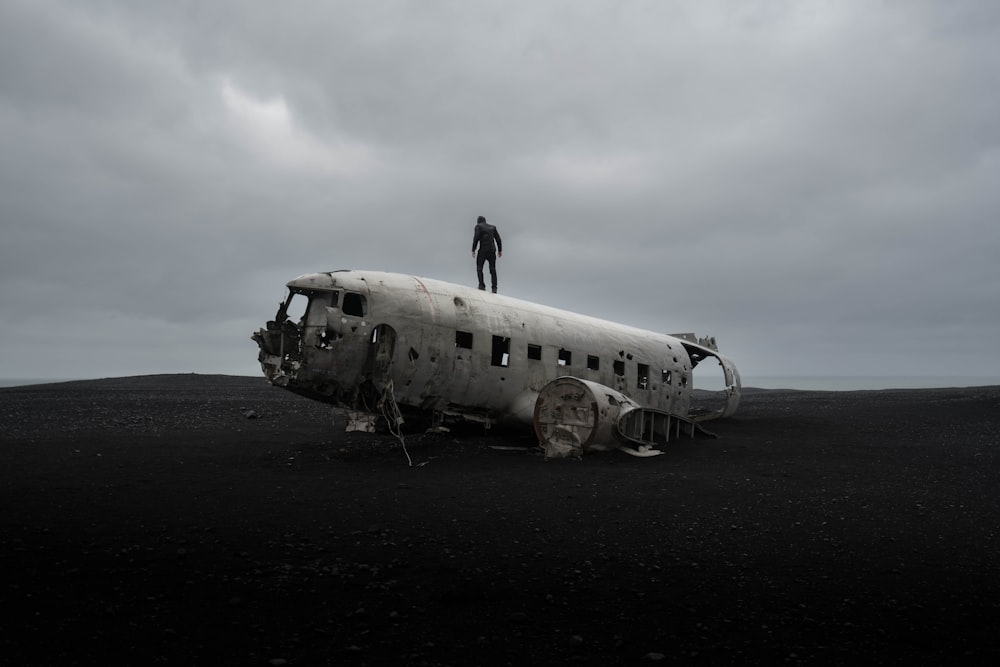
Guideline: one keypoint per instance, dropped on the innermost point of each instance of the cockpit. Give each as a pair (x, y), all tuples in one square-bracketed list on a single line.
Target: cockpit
[(308, 323)]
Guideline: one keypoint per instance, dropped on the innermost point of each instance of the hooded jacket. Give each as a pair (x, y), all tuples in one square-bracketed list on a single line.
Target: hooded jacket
[(485, 235)]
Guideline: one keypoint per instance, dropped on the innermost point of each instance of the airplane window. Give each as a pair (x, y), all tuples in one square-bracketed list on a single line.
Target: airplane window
[(564, 357), (593, 363), (295, 307), (501, 351), (316, 314), (643, 376), (619, 368), (354, 304), (534, 351), (463, 339)]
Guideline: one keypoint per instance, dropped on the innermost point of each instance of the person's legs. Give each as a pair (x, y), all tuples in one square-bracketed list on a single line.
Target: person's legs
[(492, 259), (480, 258)]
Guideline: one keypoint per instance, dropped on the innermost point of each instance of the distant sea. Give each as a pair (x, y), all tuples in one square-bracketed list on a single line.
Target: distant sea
[(805, 382), (854, 383)]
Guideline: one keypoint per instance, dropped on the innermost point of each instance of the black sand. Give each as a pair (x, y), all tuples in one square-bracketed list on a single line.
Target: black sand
[(151, 520)]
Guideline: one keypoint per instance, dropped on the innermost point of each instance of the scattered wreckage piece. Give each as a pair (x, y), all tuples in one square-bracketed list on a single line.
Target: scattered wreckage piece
[(387, 346)]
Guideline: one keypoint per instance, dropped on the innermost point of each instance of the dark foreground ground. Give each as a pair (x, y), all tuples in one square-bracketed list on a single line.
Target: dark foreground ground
[(157, 520)]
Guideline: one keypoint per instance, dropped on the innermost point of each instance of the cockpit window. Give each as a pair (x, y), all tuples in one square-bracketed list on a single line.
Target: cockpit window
[(318, 303), (294, 308), (355, 304), (306, 308)]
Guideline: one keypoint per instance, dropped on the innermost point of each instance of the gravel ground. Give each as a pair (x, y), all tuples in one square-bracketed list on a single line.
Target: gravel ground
[(193, 519)]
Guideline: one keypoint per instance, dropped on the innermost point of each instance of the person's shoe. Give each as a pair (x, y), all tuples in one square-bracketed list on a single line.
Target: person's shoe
[(482, 287), (494, 290)]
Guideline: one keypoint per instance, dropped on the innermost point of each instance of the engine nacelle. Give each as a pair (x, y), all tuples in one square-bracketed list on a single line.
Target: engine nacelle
[(573, 416)]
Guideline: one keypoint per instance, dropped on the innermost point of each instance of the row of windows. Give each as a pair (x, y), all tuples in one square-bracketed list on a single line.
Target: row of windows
[(356, 304), (500, 356)]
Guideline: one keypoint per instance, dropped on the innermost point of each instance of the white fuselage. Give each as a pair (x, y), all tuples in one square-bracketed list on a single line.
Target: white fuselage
[(459, 351)]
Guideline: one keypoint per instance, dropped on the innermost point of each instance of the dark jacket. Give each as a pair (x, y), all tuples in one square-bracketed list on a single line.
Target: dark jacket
[(485, 235)]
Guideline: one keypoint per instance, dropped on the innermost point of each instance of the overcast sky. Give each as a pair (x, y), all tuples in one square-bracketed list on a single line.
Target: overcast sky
[(817, 184)]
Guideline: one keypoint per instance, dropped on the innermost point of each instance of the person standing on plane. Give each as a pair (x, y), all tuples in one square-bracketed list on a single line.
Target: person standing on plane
[(487, 238)]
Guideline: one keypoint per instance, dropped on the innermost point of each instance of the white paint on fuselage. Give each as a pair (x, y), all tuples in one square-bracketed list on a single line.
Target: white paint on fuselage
[(430, 371)]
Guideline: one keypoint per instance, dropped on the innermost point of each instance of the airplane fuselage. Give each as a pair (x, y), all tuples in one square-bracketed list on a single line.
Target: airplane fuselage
[(459, 352)]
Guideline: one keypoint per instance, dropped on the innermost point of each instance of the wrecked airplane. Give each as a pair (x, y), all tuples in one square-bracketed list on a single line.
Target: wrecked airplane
[(382, 345)]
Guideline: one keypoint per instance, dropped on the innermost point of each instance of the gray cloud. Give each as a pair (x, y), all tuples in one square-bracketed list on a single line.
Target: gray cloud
[(813, 183)]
